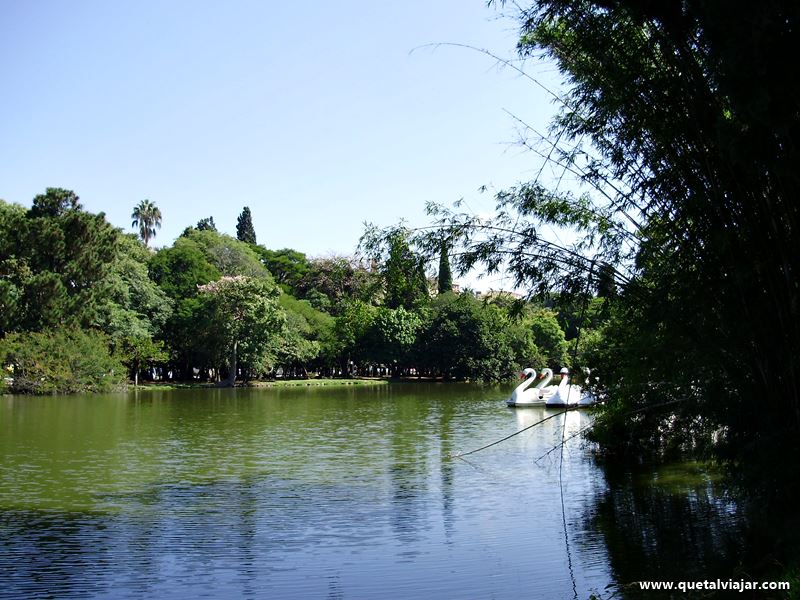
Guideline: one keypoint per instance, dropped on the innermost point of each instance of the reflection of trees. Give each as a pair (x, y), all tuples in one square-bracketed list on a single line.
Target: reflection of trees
[(408, 471), (661, 532), (44, 555), (446, 413)]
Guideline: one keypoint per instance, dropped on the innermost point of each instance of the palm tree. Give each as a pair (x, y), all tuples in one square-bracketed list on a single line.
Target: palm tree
[(147, 217)]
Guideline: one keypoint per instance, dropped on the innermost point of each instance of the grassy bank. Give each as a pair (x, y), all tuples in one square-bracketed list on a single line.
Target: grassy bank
[(262, 384)]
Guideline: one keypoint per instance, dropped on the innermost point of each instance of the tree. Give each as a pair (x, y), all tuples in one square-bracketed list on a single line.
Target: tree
[(308, 332), (287, 266), (15, 272), (133, 305), (682, 121), (61, 361), (245, 232), (391, 337), (180, 269), (147, 217), (464, 338), (62, 257), (140, 352), (403, 270), (246, 321), (350, 331), (336, 281), (206, 224), (54, 203), (445, 279), (228, 254)]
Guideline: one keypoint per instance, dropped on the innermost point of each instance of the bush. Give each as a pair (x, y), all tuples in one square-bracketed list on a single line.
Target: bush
[(60, 361)]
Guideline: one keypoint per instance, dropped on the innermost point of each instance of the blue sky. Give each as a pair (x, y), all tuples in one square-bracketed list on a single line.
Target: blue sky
[(318, 116)]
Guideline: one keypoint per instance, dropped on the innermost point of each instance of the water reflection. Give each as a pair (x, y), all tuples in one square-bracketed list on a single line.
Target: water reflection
[(340, 493), (669, 524)]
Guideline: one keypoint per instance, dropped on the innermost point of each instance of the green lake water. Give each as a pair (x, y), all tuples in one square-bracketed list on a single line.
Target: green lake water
[(345, 492)]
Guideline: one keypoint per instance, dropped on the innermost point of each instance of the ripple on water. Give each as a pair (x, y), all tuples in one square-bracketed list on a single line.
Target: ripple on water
[(297, 494)]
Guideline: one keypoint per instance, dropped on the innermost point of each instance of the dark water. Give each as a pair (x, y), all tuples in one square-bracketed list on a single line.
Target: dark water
[(334, 493)]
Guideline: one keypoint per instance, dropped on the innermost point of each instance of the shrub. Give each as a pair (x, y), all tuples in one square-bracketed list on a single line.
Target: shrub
[(60, 361)]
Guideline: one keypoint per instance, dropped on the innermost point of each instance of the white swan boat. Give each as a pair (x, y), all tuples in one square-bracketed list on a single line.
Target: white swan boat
[(525, 395), (568, 394), (561, 395)]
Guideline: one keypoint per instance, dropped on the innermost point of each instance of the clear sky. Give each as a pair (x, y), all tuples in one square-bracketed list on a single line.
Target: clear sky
[(317, 115)]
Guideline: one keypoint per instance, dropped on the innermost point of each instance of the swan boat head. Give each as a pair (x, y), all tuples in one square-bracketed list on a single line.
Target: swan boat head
[(521, 395)]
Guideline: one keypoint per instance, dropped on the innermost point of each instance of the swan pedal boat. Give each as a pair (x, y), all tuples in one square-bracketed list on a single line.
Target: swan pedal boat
[(555, 396)]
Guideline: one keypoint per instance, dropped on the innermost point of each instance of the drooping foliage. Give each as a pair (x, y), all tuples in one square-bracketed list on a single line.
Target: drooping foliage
[(683, 122)]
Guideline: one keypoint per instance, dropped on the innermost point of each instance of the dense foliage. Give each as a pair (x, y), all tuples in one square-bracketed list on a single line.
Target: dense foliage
[(63, 360), (212, 307), (682, 121)]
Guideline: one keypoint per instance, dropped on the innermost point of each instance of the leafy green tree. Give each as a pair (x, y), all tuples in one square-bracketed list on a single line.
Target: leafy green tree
[(139, 352), (465, 338), (320, 323), (61, 361), (133, 305), (308, 332), (180, 269), (230, 256), (60, 260), (246, 321), (14, 268), (245, 232), (147, 217), (391, 337), (287, 266), (403, 273), (349, 331), (548, 337)]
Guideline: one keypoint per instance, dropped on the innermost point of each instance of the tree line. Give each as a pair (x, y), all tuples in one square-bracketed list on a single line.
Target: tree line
[(87, 307)]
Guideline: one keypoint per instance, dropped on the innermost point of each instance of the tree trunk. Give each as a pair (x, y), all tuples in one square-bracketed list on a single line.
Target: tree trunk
[(231, 380)]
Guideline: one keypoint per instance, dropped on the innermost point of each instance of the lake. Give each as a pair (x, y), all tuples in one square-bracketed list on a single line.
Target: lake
[(336, 492)]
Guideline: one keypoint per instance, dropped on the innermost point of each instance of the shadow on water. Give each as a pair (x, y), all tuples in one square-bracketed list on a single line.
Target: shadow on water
[(674, 523)]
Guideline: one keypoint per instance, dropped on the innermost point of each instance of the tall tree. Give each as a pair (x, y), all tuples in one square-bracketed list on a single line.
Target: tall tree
[(245, 231), (147, 217), (445, 280)]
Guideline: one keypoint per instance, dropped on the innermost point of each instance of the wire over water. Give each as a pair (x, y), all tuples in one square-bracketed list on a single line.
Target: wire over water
[(461, 454)]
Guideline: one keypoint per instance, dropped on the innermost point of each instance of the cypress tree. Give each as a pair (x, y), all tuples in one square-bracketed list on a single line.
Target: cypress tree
[(244, 227), (445, 273)]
